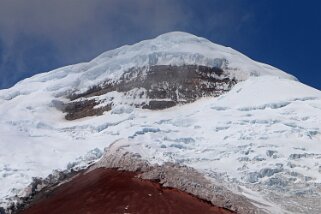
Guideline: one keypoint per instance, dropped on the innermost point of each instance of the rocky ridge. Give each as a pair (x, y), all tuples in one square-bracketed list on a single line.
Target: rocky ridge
[(180, 177)]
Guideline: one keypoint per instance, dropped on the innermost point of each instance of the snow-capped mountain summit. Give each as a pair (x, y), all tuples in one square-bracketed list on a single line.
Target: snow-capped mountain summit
[(171, 69), (176, 49), (177, 98)]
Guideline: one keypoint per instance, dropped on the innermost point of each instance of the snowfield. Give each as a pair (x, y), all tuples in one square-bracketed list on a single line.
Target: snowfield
[(263, 137)]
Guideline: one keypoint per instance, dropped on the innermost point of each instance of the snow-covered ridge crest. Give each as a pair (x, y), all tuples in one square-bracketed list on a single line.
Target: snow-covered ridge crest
[(179, 48)]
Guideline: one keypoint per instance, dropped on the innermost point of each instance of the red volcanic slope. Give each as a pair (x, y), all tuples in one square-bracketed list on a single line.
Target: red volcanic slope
[(110, 191)]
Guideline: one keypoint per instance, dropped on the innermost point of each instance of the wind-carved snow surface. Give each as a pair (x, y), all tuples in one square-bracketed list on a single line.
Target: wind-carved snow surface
[(263, 137)]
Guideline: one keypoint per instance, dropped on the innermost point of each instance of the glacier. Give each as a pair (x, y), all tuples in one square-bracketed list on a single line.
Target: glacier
[(262, 137)]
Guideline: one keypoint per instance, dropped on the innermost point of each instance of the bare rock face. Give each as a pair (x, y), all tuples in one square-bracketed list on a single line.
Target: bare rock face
[(84, 108), (156, 87)]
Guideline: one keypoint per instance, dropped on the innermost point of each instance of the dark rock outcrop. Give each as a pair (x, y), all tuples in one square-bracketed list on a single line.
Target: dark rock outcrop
[(85, 108), (163, 86)]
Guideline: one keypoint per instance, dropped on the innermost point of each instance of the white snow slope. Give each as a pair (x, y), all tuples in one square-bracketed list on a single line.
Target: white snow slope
[(264, 136)]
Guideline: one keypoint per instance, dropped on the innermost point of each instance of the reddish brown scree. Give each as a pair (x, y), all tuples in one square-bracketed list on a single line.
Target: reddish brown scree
[(104, 191)]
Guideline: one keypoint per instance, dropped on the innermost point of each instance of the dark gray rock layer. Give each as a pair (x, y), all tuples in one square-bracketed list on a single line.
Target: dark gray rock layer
[(164, 86)]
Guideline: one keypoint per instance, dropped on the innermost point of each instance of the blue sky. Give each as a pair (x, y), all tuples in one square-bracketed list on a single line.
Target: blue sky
[(40, 35)]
